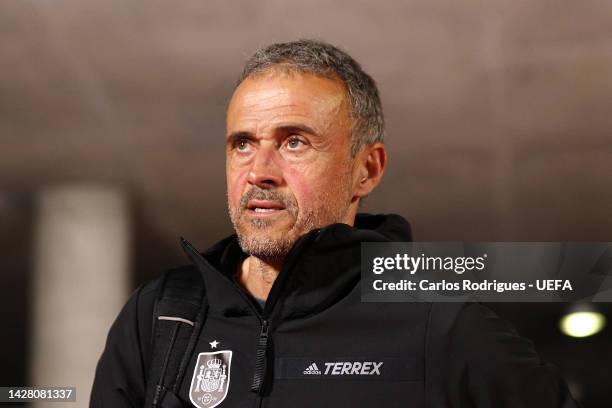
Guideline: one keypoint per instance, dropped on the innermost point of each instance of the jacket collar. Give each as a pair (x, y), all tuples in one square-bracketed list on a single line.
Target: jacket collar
[(322, 268)]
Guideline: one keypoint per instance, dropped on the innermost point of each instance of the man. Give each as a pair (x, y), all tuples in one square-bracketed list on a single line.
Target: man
[(282, 324)]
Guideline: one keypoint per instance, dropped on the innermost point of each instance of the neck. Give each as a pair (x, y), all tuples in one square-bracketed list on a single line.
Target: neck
[(257, 275)]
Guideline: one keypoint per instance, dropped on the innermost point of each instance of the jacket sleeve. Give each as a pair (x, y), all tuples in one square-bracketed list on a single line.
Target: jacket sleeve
[(500, 369), (121, 373)]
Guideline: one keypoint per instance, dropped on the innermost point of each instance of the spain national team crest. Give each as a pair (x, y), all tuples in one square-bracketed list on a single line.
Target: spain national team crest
[(211, 378)]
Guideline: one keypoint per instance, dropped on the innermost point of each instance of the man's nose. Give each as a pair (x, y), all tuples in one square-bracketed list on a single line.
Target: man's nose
[(265, 171)]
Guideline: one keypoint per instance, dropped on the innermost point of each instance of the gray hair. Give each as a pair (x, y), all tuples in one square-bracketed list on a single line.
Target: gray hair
[(323, 59)]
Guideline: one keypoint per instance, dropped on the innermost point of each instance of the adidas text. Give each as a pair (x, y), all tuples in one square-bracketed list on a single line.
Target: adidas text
[(312, 369)]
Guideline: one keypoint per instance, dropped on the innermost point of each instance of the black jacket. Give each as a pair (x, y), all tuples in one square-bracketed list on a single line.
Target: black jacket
[(327, 347)]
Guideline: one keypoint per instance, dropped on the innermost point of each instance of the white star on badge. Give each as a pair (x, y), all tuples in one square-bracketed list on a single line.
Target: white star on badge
[(213, 344)]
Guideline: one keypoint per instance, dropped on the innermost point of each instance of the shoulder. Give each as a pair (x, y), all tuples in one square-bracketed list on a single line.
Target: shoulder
[(472, 350), (477, 331), (483, 332), (143, 299), (178, 282), (123, 365)]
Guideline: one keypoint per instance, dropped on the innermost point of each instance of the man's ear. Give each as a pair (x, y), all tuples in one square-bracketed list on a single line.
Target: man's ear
[(371, 163)]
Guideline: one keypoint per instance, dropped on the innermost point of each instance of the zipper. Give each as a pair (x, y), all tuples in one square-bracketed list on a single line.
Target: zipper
[(261, 351), (261, 362)]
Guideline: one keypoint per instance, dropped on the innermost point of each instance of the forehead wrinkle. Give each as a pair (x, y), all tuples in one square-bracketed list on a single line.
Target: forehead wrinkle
[(268, 128), (266, 105), (285, 98), (319, 118)]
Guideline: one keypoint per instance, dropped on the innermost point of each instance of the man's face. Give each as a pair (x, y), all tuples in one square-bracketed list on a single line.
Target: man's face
[(288, 162)]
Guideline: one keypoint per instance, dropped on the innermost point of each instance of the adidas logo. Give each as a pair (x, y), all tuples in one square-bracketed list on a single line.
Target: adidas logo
[(312, 369)]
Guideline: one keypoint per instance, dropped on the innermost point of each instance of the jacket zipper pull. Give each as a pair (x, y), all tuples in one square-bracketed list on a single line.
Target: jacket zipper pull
[(261, 359)]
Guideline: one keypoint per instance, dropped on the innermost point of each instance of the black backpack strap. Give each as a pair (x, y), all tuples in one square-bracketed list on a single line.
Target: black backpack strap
[(179, 314)]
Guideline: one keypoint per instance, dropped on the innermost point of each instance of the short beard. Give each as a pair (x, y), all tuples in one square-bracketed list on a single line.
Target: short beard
[(269, 248), (257, 244), (266, 247)]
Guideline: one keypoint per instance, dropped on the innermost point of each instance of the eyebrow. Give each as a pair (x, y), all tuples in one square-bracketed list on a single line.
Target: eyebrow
[(283, 128), (295, 128), (236, 136)]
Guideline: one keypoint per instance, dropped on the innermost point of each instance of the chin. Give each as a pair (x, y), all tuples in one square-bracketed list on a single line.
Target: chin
[(264, 246)]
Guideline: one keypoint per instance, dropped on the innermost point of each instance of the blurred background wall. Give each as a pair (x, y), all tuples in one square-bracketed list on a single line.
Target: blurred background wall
[(112, 135)]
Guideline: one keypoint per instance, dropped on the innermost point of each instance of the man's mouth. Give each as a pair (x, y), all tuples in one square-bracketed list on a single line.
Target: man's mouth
[(264, 210), (261, 207)]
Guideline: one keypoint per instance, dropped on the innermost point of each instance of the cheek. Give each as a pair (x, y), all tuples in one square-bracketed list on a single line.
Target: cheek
[(324, 186), (303, 187), (236, 184)]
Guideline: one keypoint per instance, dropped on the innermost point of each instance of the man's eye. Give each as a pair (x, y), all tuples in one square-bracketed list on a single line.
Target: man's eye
[(242, 145), (294, 143)]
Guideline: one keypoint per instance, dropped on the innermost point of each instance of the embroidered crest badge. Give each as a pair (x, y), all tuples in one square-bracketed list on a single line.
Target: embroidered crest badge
[(211, 379)]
